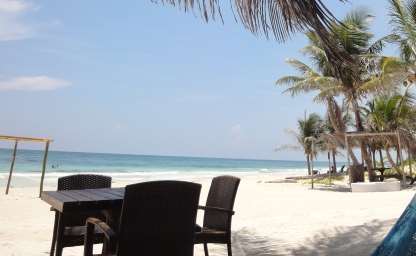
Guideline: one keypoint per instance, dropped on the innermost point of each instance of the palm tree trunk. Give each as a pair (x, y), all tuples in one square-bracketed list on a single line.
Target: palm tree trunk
[(334, 162), (335, 117), (380, 153), (367, 160), (354, 159), (398, 156), (373, 153), (329, 167), (391, 161), (410, 163), (308, 162), (363, 144)]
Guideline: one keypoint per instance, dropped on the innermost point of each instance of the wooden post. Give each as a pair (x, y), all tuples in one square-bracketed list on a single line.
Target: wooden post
[(348, 158), (409, 157), (399, 155), (12, 166), (329, 166), (313, 149), (45, 159)]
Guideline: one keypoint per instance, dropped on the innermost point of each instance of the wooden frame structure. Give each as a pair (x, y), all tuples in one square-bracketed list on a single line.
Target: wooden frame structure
[(374, 134), (27, 139)]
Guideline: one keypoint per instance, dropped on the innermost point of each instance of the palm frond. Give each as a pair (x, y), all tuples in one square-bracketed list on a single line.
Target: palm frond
[(287, 147), (392, 72), (406, 52), (328, 91), (354, 33), (292, 133), (392, 65), (301, 67), (378, 45), (288, 80), (411, 8), (314, 83), (404, 24), (314, 51), (278, 17)]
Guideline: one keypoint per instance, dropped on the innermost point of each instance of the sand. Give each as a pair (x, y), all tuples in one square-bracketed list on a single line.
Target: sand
[(271, 219)]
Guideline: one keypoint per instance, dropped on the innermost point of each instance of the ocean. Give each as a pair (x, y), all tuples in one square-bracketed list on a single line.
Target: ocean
[(139, 167)]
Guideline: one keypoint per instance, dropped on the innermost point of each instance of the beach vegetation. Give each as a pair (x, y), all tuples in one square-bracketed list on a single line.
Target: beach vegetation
[(308, 129), (324, 180), (375, 94)]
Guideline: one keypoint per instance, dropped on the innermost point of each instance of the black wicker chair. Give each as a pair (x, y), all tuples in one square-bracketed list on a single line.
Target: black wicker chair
[(218, 213), (69, 229), (157, 219)]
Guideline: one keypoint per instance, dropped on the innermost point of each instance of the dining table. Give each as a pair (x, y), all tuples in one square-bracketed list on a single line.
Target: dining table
[(86, 200)]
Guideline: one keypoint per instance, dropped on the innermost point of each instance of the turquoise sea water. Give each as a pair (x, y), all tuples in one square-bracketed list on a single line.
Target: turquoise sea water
[(140, 167)]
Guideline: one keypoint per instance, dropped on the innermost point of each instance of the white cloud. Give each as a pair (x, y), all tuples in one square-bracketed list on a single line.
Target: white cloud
[(13, 6), (12, 26), (33, 83)]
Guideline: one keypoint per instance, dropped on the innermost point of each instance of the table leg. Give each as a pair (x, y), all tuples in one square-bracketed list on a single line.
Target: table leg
[(112, 217), (60, 234)]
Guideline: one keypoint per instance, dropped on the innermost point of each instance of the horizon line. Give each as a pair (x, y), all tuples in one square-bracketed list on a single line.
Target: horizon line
[(137, 154)]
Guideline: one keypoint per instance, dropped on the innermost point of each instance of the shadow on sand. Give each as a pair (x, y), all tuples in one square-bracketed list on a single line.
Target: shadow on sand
[(340, 241), (333, 188)]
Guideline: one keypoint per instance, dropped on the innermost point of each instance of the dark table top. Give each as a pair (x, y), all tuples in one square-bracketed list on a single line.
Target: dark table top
[(84, 200)]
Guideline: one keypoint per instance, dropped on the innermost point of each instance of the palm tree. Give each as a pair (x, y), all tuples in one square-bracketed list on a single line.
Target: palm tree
[(330, 137), (318, 78), (309, 130), (389, 113), (369, 73), (281, 18), (403, 20), (327, 88)]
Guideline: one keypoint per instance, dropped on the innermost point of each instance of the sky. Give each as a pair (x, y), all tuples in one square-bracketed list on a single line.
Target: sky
[(143, 78)]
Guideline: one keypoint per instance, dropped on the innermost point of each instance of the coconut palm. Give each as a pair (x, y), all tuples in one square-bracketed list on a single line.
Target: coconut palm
[(317, 78), (403, 21), (354, 37), (330, 137), (307, 136), (369, 74), (389, 113), (326, 87)]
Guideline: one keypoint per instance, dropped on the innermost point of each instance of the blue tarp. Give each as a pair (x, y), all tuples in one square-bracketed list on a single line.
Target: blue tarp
[(401, 240)]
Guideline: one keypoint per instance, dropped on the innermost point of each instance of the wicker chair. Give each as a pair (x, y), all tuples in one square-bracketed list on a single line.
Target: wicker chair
[(218, 213), (157, 219), (69, 229)]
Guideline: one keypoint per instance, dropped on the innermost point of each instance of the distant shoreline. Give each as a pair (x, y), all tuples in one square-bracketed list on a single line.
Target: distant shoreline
[(157, 155)]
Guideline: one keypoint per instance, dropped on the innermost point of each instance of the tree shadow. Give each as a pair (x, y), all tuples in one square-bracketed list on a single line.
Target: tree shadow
[(340, 241), (333, 188), (247, 242)]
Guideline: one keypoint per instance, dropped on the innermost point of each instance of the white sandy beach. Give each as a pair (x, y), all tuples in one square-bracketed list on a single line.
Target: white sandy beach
[(271, 219)]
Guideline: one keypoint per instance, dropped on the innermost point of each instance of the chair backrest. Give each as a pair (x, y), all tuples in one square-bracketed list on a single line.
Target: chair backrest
[(221, 194), (401, 238), (158, 219), (84, 181)]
